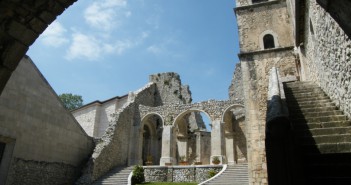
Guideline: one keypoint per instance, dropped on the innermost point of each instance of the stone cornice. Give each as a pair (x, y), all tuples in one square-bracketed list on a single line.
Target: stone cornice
[(243, 54), (256, 5)]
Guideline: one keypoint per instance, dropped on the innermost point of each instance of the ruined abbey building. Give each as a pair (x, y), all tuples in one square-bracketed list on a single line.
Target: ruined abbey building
[(287, 117)]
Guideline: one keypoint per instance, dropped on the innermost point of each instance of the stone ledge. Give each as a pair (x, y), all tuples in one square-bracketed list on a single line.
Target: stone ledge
[(274, 50), (257, 5)]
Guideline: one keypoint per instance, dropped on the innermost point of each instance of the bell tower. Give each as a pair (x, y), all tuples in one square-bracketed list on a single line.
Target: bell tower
[(266, 41)]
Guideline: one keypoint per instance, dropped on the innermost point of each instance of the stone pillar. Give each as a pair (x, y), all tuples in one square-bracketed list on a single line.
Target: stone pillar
[(230, 148), (217, 141), (182, 142), (198, 147), (167, 146)]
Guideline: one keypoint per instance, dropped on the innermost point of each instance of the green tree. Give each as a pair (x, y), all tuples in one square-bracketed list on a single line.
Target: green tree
[(71, 101)]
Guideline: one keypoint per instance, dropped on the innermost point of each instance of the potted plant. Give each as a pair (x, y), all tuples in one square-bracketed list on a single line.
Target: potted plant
[(148, 160), (215, 160), (183, 160)]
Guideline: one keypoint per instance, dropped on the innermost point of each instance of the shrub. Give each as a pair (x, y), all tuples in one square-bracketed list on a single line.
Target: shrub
[(211, 173), (138, 175)]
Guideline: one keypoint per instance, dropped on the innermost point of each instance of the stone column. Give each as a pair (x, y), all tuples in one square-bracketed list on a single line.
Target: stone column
[(230, 148), (217, 141), (182, 143), (167, 146)]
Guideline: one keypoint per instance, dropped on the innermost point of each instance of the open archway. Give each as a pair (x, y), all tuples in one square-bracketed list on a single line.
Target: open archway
[(151, 136), (192, 139), (235, 134)]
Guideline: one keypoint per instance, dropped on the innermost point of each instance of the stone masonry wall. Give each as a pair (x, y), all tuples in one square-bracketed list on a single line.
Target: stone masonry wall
[(179, 173), (236, 86), (45, 135), (255, 69), (270, 17), (327, 56), (43, 173)]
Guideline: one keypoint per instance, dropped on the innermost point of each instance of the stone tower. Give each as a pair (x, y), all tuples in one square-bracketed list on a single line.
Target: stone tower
[(266, 41)]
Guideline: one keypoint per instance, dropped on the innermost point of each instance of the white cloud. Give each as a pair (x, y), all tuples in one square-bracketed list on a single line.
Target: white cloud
[(54, 35), (119, 47), (90, 48), (106, 14), (84, 46), (154, 49)]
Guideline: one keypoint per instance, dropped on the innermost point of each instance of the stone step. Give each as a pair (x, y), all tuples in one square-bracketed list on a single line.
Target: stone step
[(327, 148), (329, 169), (307, 100), (327, 158), (316, 114), (324, 131), (233, 175), (302, 96), (326, 139), (297, 110), (310, 104), (116, 176), (315, 125), (329, 180), (300, 85), (293, 91), (319, 119)]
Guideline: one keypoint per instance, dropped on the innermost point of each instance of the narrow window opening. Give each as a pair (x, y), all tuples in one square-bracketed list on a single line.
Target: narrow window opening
[(258, 1), (2, 149), (268, 41)]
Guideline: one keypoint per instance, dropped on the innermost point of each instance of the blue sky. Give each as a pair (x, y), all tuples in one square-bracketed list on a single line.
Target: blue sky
[(105, 48)]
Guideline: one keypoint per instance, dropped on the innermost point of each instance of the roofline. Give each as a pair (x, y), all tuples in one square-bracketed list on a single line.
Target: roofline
[(99, 102)]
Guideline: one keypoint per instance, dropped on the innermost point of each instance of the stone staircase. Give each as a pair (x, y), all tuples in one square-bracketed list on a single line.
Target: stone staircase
[(233, 175), (322, 135), (117, 176)]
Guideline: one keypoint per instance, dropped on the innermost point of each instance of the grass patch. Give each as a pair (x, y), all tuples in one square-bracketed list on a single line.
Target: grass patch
[(169, 183)]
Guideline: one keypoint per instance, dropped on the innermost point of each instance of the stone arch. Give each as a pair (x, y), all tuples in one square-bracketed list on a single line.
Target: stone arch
[(21, 28), (235, 134), (150, 134), (264, 35), (226, 114), (190, 143)]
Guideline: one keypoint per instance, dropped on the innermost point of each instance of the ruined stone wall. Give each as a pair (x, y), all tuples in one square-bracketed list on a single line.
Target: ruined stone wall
[(326, 56), (255, 70), (170, 88), (236, 86), (114, 147), (43, 135), (266, 18), (119, 146)]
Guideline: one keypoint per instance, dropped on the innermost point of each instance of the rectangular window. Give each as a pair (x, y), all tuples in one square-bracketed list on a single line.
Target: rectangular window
[(2, 149)]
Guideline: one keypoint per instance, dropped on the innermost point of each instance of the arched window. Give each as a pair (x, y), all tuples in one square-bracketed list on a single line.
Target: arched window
[(268, 41), (258, 1)]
